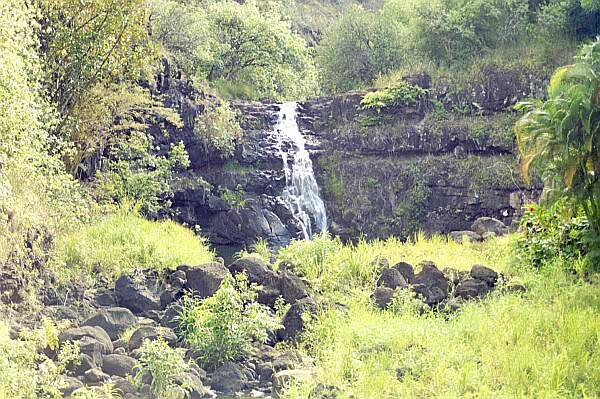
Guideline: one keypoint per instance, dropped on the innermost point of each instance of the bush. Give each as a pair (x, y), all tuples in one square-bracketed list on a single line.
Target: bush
[(549, 233), (223, 327), (124, 242), (399, 94), (219, 129), (135, 175), (357, 48), (166, 366)]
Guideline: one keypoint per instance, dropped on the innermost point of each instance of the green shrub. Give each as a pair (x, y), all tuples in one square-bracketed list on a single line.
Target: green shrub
[(124, 242), (550, 233), (399, 94), (165, 365), (223, 327), (134, 175), (105, 391), (219, 128)]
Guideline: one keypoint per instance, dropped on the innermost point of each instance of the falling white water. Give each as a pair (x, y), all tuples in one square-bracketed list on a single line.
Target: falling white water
[(301, 193)]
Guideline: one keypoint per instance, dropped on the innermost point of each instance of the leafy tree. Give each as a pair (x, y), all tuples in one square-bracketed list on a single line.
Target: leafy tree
[(218, 128), (360, 46), (559, 137), (235, 46), (86, 42)]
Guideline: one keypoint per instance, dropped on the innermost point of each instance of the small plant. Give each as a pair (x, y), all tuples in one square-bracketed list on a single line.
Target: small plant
[(406, 302), (399, 94), (260, 249), (223, 326), (165, 365), (234, 198)]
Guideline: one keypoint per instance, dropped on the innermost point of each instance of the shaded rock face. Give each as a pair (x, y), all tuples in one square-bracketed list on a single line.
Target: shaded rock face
[(436, 166)]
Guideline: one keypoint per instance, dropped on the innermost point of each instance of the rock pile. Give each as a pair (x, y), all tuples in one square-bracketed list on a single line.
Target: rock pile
[(145, 306), (482, 229), (442, 288)]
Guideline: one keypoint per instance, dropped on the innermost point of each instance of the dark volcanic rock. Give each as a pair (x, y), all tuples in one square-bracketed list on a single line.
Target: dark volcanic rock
[(205, 280), (471, 288), (256, 271), (292, 287), (113, 320), (88, 336), (391, 278), (229, 378), (119, 365), (383, 296), (485, 274), (135, 296), (489, 225), (293, 323), (435, 282), (406, 270), (151, 333)]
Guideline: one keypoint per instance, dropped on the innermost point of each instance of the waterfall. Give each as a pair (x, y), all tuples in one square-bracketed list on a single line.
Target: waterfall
[(301, 192)]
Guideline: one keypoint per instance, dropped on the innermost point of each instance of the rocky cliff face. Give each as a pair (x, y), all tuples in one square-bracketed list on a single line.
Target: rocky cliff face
[(435, 166)]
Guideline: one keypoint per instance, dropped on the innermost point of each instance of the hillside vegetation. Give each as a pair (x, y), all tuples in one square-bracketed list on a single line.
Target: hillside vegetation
[(87, 174)]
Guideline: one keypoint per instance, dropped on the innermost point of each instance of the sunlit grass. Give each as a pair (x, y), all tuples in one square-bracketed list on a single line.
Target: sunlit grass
[(124, 242), (541, 344)]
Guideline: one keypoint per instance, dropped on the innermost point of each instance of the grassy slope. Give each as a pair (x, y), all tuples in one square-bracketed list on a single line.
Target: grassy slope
[(543, 344)]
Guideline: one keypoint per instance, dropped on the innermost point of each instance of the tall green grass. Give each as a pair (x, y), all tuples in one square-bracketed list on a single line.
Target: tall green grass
[(541, 344), (124, 242)]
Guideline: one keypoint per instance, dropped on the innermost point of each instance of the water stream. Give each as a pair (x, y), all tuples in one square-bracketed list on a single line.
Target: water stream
[(301, 192)]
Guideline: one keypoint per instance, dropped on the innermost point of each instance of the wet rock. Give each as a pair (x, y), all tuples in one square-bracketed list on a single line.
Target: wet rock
[(391, 278), (134, 296), (484, 273), (229, 378), (406, 270), (293, 322), (151, 333), (489, 225), (119, 365), (204, 280), (112, 320), (383, 297), (471, 288), (465, 235)]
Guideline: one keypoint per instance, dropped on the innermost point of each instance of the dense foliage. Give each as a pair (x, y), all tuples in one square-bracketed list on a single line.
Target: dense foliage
[(558, 137), (223, 327)]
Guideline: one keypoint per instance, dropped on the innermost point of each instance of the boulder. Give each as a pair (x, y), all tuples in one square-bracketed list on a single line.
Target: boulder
[(289, 359), (430, 295), (465, 235), (292, 287), (81, 365), (90, 339), (68, 385), (95, 376), (204, 280), (229, 378), (406, 270), (194, 383), (471, 288), (134, 296), (485, 274), (383, 296), (293, 322), (489, 225), (169, 319), (151, 333), (391, 278), (435, 282), (113, 320), (119, 365), (256, 270)]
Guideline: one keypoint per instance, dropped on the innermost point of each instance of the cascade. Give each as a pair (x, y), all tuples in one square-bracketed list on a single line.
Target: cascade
[(301, 192)]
